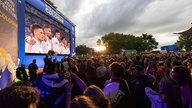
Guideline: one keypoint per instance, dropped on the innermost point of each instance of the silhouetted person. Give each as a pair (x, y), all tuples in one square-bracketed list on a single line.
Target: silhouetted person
[(21, 73), (46, 60), (32, 71), (19, 97)]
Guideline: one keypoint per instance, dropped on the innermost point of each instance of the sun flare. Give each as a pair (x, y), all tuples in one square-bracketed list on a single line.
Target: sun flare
[(100, 48)]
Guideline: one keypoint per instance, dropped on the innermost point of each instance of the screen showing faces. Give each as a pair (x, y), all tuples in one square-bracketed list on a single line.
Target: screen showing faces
[(43, 34)]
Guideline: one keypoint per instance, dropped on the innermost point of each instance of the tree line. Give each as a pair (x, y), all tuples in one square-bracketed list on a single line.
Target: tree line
[(115, 42)]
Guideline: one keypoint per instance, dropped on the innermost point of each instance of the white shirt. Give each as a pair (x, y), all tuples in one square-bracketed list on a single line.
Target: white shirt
[(27, 45), (46, 45), (156, 101), (37, 47), (55, 45), (67, 50), (62, 49)]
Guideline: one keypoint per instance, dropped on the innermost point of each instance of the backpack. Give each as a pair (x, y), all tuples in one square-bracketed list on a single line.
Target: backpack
[(119, 94), (137, 88)]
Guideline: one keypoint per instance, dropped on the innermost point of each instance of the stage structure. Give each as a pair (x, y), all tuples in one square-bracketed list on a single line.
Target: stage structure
[(169, 48), (42, 28), (186, 32), (186, 36)]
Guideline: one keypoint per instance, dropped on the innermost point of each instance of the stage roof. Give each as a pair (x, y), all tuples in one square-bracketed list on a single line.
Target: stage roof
[(186, 33)]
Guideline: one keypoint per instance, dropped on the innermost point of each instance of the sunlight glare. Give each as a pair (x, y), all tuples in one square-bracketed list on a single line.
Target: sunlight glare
[(100, 48)]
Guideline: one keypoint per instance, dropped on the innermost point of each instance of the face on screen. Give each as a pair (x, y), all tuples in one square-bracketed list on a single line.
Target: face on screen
[(64, 41), (47, 32), (38, 34), (57, 35)]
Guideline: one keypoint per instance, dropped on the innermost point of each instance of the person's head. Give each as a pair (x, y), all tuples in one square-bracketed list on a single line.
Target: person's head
[(117, 71), (64, 41), (34, 60), (57, 34), (176, 62), (181, 74), (123, 65), (138, 70), (46, 56), (68, 44), (47, 31), (169, 92), (101, 62), (89, 63), (153, 66), (189, 63), (19, 97), (37, 32), (97, 95), (52, 68), (23, 66), (167, 63), (82, 102)]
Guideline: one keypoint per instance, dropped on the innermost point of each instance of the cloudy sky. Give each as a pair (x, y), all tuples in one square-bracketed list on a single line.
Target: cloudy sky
[(95, 18)]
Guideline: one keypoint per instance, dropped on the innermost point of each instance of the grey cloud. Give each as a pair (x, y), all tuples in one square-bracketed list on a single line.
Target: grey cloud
[(167, 17), (68, 7), (127, 16), (118, 15)]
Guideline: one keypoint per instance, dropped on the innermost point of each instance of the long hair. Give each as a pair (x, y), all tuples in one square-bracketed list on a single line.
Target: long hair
[(98, 97), (169, 92), (82, 102), (182, 75)]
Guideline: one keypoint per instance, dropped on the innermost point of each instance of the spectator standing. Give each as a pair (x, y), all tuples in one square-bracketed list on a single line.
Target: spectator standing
[(32, 71), (101, 73), (46, 60), (137, 87), (182, 75), (169, 95), (55, 89), (117, 89), (21, 73)]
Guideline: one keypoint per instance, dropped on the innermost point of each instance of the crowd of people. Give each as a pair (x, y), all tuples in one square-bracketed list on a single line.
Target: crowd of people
[(162, 80)]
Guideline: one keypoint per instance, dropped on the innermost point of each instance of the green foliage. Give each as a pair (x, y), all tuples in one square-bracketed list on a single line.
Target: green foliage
[(116, 41), (83, 49), (99, 42), (149, 42), (184, 42)]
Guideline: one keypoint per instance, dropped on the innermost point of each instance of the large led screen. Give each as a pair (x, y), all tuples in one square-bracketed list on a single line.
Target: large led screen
[(43, 34)]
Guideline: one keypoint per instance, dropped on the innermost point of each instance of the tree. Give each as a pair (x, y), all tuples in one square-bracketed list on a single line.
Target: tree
[(99, 42), (83, 49), (51, 3), (115, 42), (148, 42), (185, 42)]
